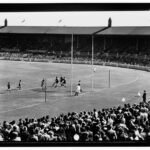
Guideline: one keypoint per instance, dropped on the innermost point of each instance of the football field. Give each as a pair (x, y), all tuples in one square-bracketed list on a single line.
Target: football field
[(30, 100)]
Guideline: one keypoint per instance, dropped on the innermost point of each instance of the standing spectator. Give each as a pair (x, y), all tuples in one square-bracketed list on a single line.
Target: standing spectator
[(144, 96)]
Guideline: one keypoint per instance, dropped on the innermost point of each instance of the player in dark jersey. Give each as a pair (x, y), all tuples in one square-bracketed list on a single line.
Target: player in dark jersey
[(64, 82), (61, 80), (8, 86), (42, 83), (55, 84), (19, 85)]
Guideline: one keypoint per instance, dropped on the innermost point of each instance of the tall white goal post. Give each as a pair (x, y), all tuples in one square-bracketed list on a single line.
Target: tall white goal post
[(92, 62), (45, 89), (71, 64), (99, 31), (109, 26)]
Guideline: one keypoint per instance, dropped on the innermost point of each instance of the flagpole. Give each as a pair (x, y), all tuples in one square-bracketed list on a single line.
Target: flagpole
[(92, 60), (71, 62)]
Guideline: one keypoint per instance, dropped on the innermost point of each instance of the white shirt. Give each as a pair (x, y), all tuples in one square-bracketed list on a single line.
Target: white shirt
[(78, 89)]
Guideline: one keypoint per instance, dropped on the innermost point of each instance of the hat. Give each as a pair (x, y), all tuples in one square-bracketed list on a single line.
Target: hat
[(76, 137)]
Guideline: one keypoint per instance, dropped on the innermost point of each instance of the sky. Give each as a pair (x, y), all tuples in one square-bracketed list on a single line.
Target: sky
[(99, 18)]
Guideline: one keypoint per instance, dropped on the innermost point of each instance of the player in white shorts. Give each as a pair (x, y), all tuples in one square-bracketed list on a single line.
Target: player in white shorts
[(78, 90)]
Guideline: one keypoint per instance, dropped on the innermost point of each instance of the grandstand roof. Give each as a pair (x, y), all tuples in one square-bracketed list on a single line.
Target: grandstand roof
[(49, 30), (127, 31), (75, 30)]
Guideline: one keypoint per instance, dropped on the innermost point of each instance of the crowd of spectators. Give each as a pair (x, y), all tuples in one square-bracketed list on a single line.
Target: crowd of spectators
[(82, 57), (128, 122), (125, 50)]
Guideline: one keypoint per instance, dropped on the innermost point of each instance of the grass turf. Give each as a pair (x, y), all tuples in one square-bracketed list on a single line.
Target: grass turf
[(29, 101)]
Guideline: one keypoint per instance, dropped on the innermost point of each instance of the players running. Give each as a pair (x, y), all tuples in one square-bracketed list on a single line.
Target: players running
[(61, 81)]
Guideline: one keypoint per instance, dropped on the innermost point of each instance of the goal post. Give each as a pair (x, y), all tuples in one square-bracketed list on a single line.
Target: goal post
[(109, 78), (92, 61), (45, 89), (71, 64), (93, 35)]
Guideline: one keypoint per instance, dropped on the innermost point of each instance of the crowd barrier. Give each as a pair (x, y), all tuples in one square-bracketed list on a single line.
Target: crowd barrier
[(75, 61)]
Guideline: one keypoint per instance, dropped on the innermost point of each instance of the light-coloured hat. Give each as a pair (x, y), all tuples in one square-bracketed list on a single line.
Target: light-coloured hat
[(76, 137)]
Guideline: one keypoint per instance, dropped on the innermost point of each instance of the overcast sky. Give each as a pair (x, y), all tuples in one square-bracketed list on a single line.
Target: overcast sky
[(138, 18)]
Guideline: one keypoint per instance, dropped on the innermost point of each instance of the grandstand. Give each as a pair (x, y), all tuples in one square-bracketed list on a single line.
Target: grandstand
[(115, 44), (66, 118)]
